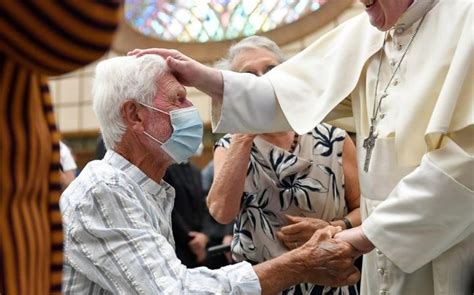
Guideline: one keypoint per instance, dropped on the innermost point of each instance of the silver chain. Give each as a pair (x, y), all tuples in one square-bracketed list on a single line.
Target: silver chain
[(376, 108)]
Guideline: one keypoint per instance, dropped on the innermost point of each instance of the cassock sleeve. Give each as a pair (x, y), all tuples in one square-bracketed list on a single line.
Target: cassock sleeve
[(250, 106), (304, 90), (431, 209)]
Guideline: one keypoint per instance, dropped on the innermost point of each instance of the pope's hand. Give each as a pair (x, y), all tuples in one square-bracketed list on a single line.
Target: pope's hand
[(188, 71), (357, 238)]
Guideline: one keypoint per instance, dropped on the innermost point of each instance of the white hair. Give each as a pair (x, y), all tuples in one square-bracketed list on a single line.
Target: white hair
[(118, 80), (251, 42)]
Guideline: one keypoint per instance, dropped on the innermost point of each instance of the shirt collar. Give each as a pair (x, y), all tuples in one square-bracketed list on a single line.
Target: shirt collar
[(146, 183), (414, 13)]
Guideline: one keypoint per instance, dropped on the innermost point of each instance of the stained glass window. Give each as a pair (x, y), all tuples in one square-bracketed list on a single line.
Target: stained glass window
[(213, 20)]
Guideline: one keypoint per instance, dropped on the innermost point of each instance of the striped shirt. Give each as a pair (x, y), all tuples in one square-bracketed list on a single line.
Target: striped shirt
[(118, 238)]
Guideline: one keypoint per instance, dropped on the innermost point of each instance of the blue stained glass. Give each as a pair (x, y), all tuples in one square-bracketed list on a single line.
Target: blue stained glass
[(249, 6), (157, 27), (213, 20), (301, 5), (315, 6), (223, 2)]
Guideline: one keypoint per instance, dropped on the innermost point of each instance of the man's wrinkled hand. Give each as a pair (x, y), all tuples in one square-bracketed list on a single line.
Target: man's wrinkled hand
[(329, 261)]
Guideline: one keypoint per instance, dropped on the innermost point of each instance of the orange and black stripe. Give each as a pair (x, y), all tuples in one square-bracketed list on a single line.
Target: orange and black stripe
[(38, 38)]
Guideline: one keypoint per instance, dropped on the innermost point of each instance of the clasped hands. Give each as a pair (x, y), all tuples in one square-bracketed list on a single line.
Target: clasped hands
[(299, 230), (328, 259)]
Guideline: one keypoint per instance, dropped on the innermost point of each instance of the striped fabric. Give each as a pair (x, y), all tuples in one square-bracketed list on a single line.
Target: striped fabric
[(119, 240), (38, 38)]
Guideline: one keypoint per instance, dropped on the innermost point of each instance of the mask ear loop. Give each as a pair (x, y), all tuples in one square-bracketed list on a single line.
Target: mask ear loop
[(153, 108), (150, 136)]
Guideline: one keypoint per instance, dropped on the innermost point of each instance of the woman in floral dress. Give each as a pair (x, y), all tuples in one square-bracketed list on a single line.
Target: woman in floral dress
[(280, 188)]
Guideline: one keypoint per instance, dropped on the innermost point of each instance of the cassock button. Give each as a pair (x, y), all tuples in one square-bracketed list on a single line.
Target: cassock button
[(399, 30)]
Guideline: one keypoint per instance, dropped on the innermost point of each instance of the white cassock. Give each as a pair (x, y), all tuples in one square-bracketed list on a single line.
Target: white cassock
[(417, 198)]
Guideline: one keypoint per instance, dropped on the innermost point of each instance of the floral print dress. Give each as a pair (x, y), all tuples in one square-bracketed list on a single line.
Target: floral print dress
[(308, 182)]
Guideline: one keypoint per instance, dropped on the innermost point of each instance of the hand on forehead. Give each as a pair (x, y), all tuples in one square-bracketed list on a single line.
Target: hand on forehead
[(170, 94)]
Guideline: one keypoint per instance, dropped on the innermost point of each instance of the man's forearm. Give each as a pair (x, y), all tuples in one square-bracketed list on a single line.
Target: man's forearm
[(278, 274)]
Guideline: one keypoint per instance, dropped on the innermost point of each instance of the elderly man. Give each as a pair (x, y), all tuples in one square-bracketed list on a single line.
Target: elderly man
[(404, 72), (116, 214)]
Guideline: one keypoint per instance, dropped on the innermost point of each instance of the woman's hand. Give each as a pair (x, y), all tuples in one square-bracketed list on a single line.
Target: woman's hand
[(299, 230)]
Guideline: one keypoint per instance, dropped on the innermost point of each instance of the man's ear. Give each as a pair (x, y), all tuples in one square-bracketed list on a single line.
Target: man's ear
[(132, 116)]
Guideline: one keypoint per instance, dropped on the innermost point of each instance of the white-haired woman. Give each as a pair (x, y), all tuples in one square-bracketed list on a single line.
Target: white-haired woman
[(282, 187)]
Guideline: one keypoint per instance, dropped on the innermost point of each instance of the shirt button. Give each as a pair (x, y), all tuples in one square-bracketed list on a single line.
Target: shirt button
[(378, 252), (395, 82), (399, 30), (383, 292), (399, 46), (382, 116), (393, 63), (381, 271)]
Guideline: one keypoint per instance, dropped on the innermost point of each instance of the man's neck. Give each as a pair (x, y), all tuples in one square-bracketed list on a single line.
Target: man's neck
[(152, 165)]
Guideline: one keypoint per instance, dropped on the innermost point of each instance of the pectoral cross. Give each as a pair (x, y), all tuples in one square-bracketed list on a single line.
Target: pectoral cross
[(369, 144)]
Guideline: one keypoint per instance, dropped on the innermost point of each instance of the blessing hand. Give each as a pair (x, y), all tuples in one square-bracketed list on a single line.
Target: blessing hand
[(188, 71)]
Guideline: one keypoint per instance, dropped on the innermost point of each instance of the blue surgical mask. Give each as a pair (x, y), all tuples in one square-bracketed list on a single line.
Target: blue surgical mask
[(186, 136)]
